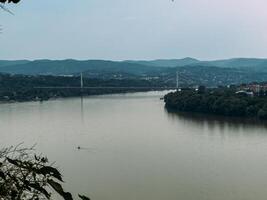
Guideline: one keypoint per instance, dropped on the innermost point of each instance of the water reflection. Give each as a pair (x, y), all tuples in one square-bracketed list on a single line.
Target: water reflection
[(82, 110), (214, 123)]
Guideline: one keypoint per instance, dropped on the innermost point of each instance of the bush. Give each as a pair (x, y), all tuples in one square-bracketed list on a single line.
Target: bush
[(24, 175)]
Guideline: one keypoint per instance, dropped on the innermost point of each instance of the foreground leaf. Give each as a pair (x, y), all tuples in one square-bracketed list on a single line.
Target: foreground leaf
[(58, 188), (83, 197)]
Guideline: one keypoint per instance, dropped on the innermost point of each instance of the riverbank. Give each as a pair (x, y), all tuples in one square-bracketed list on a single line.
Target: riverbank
[(21, 88), (223, 102), (52, 94)]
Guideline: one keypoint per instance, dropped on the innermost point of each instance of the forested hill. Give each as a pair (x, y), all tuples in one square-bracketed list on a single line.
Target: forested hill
[(55, 67), (254, 64), (5, 63), (167, 62), (191, 71), (70, 67)]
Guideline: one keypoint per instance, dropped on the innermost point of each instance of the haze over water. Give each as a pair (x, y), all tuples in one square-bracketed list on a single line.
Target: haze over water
[(132, 148)]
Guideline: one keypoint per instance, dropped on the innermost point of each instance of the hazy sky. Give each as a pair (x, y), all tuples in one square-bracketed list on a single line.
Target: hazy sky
[(134, 29)]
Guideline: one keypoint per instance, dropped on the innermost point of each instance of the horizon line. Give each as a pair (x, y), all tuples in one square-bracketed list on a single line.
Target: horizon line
[(140, 60)]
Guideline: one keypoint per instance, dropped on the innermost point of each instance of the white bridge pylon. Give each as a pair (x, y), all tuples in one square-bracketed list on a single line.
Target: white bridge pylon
[(81, 80), (177, 80)]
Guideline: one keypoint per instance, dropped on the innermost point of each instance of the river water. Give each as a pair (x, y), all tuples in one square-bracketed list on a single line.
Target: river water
[(133, 149)]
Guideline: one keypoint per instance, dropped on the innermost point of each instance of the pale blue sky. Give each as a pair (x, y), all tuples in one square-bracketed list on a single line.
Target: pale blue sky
[(134, 29)]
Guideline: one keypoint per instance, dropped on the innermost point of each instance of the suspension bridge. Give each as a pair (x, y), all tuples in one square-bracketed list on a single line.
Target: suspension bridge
[(83, 87)]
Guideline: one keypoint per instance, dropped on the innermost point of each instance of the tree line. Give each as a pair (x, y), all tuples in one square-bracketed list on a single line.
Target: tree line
[(19, 88), (221, 101)]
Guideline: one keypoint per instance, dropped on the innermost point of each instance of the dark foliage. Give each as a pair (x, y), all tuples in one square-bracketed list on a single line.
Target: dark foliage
[(9, 1), (21, 88), (24, 175), (220, 101)]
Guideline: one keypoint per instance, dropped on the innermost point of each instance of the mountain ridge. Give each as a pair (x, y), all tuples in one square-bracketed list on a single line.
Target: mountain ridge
[(196, 72)]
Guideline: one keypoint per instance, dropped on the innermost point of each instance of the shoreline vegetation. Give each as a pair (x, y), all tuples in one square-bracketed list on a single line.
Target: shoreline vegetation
[(218, 101), (24, 88)]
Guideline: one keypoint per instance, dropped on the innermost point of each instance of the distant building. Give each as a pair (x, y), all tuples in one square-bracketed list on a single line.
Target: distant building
[(256, 88), (232, 86), (247, 93)]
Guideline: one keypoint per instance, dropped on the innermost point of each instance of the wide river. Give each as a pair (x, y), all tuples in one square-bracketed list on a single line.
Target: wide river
[(133, 149)]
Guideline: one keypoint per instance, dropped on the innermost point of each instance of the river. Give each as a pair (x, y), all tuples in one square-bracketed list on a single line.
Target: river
[(133, 149)]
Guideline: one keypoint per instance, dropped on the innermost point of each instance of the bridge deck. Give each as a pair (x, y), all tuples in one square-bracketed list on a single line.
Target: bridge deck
[(108, 87)]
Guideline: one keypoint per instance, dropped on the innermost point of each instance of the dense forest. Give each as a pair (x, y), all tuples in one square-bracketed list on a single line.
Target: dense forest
[(30, 88), (221, 101)]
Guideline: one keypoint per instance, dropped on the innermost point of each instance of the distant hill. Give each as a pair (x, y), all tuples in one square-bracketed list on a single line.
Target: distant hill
[(166, 62), (70, 67), (192, 71), (4, 63), (254, 64)]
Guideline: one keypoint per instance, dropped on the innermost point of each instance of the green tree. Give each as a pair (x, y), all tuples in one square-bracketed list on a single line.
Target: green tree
[(9, 1), (262, 113), (26, 176)]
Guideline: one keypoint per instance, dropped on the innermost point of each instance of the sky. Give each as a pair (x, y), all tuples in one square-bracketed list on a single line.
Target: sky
[(134, 29)]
